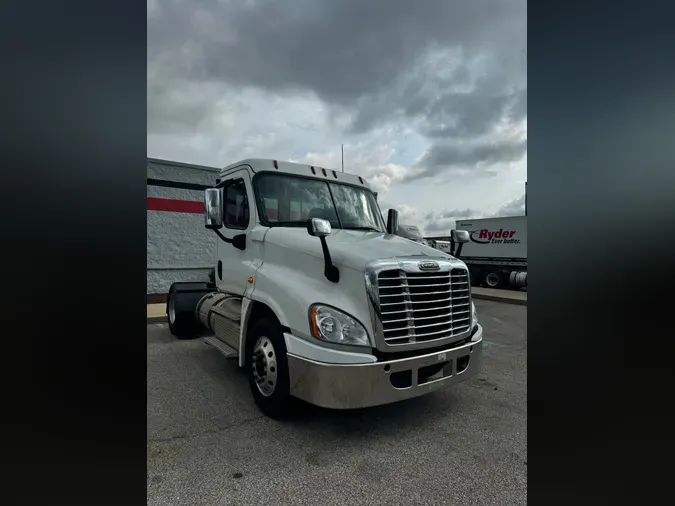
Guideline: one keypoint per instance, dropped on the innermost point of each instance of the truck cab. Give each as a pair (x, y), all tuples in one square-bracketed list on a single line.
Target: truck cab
[(319, 299)]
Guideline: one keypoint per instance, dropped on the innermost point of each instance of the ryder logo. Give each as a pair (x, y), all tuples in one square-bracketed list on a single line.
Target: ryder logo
[(501, 236)]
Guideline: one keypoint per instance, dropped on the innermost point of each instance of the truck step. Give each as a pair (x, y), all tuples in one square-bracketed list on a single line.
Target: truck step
[(223, 348)]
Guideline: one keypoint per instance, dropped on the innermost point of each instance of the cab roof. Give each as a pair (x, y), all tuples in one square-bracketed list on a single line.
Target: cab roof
[(298, 169)]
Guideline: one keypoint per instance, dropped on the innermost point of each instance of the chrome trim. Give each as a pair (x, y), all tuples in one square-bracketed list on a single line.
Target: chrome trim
[(411, 265)]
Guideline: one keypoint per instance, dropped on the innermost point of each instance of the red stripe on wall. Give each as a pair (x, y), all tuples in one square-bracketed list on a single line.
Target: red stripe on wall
[(175, 206), (195, 207)]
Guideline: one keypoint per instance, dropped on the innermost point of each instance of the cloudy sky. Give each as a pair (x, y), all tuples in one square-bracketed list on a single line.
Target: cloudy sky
[(429, 98)]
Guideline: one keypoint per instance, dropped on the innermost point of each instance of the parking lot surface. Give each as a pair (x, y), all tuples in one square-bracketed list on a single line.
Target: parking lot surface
[(464, 445)]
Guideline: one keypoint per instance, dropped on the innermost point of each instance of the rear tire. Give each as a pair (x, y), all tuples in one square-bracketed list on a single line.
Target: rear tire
[(181, 324), (267, 368), (493, 279)]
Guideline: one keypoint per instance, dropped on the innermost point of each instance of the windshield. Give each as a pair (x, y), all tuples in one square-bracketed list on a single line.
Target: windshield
[(290, 201)]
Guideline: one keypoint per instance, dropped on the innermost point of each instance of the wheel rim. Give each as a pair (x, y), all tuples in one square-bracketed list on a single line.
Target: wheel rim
[(172, 311), (492, 279), (264, 365)]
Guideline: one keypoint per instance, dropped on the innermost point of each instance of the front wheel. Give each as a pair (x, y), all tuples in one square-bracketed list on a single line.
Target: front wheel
[(267, 368)]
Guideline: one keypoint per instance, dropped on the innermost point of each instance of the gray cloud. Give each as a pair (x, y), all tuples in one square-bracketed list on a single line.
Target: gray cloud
[(516, 207), (173, 110), (455, 70), (444, 221), (457, 155), (340, 50), (454, 214), (444, 226)]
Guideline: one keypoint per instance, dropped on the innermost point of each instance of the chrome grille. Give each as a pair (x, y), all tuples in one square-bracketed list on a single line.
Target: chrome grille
[(424, 306)]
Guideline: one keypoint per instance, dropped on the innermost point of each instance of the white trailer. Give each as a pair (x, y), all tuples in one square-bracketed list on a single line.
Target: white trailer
[(496, 253), (317, 298)]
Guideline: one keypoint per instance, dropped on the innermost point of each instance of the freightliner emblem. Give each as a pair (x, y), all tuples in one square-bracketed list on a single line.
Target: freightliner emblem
[(428, 266)]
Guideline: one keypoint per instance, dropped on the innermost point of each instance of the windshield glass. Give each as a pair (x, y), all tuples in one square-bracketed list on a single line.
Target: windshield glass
[(290, 201)]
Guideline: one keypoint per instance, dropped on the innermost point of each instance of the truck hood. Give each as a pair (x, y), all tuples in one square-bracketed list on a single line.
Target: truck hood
[(351, 248)]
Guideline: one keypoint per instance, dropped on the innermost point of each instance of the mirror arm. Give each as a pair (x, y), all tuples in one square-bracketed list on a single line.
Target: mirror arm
[(229, 241), (330, 271), (219, 234)]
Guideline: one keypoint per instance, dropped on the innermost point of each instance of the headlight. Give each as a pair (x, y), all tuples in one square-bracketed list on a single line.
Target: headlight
[(333, 326), (474, 315)]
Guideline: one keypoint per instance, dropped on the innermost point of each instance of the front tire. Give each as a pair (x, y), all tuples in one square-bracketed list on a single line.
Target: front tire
[(267, 368)]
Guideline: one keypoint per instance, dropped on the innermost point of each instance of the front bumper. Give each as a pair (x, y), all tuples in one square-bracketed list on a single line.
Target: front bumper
[(349, 386)]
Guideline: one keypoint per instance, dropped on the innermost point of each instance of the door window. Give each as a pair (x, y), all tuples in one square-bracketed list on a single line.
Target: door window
[(236, 205)]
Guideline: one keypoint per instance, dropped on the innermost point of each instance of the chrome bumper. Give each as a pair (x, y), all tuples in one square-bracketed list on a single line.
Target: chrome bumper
[(348, 386)]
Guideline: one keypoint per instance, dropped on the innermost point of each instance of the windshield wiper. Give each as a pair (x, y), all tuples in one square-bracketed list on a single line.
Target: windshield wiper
[(367, 229)]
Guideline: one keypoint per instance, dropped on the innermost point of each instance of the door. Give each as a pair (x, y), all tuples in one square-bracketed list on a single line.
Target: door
[(238, 219)]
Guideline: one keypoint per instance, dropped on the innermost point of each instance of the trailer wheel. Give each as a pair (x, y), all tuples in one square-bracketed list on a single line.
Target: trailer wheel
[(267, 368), (493, 279), (181, 324)]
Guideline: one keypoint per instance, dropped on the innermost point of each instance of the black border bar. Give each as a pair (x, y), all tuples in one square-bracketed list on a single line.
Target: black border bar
[(177, 184)]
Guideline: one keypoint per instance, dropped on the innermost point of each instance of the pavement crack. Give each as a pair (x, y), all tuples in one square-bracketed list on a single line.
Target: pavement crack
[(206, 432)]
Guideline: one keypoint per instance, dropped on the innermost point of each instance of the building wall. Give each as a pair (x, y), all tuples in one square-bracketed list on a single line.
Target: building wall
[(179, 247)]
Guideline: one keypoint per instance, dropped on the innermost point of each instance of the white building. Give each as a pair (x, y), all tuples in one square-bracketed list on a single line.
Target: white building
[(179, 247)]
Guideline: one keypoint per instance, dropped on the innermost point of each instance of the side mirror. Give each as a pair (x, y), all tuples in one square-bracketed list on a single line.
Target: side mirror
[(214, 208), (239, 241), (316, 227), (392, 221), (460, 236)]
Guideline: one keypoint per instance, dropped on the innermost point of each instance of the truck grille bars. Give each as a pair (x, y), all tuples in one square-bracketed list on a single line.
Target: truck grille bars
[(423, 306)]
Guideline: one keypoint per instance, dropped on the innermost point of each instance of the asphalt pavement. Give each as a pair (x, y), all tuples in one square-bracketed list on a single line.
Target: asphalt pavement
[(464, 445)]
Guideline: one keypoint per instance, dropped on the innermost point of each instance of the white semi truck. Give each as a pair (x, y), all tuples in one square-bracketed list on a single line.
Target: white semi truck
[(318, 299), (410, 232), (496, 253)]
